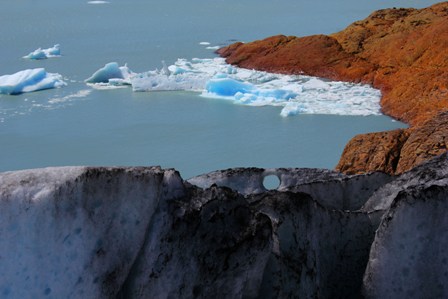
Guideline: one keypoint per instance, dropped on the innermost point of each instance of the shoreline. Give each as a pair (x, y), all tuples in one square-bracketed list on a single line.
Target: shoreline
[(400, 52)]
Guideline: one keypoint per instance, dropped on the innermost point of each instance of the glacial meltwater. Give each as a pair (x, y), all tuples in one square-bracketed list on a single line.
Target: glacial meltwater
[(268, 121)]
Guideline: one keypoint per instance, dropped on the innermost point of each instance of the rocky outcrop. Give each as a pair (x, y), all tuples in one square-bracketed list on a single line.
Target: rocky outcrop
[(317, 55), (395, 151), (146, 233), (400, 51), (424, 142), (373, 152)]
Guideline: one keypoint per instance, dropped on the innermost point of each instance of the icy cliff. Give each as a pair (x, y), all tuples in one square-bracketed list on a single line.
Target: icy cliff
[(83, 232)]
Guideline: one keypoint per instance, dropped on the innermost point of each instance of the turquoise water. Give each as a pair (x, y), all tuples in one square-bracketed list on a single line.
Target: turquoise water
[(77, 125)]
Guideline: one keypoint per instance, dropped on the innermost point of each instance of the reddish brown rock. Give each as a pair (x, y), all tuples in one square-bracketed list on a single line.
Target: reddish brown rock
[(317, 55), (403, 52), (396, 151), (424, 142), (373, 151)]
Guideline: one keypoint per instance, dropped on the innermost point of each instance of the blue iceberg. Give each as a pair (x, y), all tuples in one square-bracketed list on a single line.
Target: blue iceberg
[(227, 87), (28, 81), (54, 51), (112, 74), (245, 92)]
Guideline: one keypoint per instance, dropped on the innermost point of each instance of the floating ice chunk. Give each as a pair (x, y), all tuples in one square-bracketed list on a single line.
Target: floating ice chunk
[(217, 79), (291, 109), (204, 43), (38, 54), (246, 93), (315, 83), (227, 87), (98, 2), (112, 74), (68, 98), (176, 70), (109, 71), (213, 48), (158, 81), (29, 80)]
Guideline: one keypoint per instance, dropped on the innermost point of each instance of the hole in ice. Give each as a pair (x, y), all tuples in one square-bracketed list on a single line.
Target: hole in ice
[(271, 182)]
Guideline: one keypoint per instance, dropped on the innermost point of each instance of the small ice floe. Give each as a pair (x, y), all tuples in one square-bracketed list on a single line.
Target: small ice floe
[(209, 47), (98, 2), (29, 80), (68, 98), (40, 53), (111, 75)]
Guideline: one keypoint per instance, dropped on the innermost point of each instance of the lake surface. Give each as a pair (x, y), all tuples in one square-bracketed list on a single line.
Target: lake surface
[(80, 125)]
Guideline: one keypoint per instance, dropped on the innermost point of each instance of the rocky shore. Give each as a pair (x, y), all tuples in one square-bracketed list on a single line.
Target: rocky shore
[(400, 51)]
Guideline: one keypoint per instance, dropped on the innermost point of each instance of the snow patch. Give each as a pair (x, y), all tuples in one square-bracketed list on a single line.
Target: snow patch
[(29, 80)]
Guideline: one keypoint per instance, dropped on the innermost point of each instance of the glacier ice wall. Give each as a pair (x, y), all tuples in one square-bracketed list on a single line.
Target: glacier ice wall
[(83, 232), (409, 257), (75, 232)]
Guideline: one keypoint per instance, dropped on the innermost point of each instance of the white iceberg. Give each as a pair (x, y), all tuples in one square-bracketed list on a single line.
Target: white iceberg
[(29, 80), (54, 51), (111, 74)]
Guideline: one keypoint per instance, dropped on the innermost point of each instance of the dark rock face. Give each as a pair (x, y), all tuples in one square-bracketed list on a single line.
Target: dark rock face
[(146, 233)]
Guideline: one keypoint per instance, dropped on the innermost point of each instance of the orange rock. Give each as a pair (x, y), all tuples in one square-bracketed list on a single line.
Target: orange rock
[(373, 152), (403, 52), (424, 142)]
